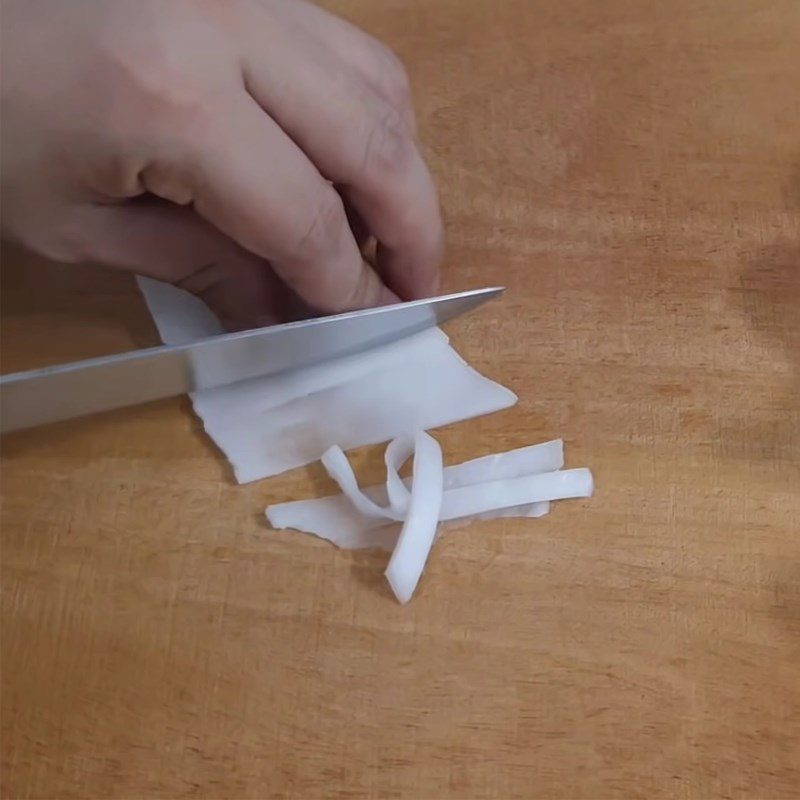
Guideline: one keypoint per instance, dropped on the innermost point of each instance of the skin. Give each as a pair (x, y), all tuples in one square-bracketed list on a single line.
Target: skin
[(246, 150)]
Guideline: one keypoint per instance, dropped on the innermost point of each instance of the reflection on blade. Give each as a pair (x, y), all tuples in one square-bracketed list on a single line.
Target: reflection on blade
[(71, 390)]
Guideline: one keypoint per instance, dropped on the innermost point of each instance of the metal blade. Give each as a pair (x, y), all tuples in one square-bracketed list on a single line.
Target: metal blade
[(98, 384)]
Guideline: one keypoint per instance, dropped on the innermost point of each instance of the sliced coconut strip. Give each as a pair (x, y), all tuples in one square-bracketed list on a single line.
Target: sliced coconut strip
[(482, 498), (375, 408), (428, 503), (529, 460), (266, 426), (335, 462), (419, 529), (397, 453), (337, 520), (418, 508), (464, 501)]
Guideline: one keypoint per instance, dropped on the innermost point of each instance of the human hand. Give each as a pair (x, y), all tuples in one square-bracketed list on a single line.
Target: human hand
[(241, 149)]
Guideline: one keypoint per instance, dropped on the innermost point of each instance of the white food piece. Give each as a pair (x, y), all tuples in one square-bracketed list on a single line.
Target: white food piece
[(489, 486), (397, 491), (335, 462), (429, 390), (472, 500), (419, 508), (337, 519), (338, 467), (180, 317), (422, 516), (469, 501), (266, 426)]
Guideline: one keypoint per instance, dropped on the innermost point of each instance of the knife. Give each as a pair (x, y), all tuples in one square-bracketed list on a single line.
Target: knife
[(39, 396)]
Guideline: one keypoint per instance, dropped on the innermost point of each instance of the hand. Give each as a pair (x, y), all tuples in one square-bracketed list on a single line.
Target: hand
[(242, 149)]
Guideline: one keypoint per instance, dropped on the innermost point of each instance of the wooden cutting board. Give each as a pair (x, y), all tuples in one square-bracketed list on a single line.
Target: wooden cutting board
[(631, 172)]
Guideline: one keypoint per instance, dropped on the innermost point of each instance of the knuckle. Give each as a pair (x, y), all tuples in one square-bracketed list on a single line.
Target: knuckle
[(355, 294), (170, 180), (67, 244), (159, 90), (388, 147), (325, 227), (181, 110), (394, 78), (355, 287)]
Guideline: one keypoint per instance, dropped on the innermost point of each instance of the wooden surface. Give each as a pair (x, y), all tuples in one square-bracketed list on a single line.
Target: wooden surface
[(631, 171)]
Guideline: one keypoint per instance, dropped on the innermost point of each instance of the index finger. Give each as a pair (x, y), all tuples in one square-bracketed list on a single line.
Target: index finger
[(362, 143), (253, 183)]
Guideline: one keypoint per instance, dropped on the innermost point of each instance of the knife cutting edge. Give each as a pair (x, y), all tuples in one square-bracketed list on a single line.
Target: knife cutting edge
[(64, 391)]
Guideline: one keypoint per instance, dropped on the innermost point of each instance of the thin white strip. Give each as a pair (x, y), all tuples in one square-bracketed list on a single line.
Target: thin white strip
[(468, 501), (336, 519), (419, 529)]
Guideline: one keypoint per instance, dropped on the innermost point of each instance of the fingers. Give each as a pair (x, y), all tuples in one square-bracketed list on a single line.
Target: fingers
[(361, 142), (357, 225), (248, 178), (244, 293), (173, 244)]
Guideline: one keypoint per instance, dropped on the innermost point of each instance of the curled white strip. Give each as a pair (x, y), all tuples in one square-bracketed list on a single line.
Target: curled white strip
[(418, 509), (521, 482), (397, 453), (338, 467), (336, 519), (422, 516), (476, 488)]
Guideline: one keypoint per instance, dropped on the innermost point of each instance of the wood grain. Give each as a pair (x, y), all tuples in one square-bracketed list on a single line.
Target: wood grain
[(631, 171)]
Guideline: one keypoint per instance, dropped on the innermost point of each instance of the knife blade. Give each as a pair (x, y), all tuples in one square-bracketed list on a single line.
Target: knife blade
[(40, 396)]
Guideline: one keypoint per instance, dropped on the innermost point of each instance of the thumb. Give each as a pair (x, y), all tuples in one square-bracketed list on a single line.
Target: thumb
[(173, 244)]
